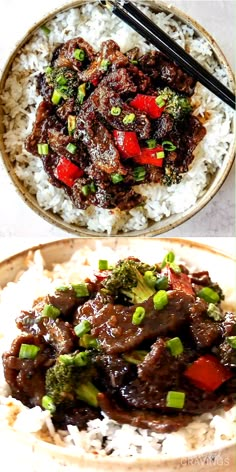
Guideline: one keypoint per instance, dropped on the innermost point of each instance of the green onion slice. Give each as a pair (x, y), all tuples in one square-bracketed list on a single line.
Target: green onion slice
[(71, 124), (175, 268), (169, 258), (117, 178), (160, 155), (209, 295), (160, 300), (88, 342), (151, 143), (61, 80), (51, 311), (71, 148), (150, 278), (81, 359), (162, 283), (79, 54), (81, 290), (133, 61), (135, 357), (139, 173), (168, 146), (128, 119), (138, 315), (28, 351), (47, 404), (231, 340), (85, 190), (115, 111), (56, 97), (43, 149), (214, 312), (103, 264), (48, 70), (105, 63), (175, 345), (82, 328), (81, 93), (160, 102), (62, 288), (175, 399)]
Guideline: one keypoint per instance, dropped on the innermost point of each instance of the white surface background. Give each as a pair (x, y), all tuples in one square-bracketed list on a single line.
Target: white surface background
[(217, 219)]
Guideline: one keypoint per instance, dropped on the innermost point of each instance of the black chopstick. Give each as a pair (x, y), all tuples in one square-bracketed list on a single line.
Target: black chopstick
[(130, 14)]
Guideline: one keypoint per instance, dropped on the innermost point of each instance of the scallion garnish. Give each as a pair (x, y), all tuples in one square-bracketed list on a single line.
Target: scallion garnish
[(82, 328), (160, 102), (51, 311), (209, 295), (62, 288), (138, 315), (160, 155), (88, 342), (168, 146), (71, 124), (135, 357), (56, 97), (81, 93), (28, 351), (128, 119), (81, 359), (117, 178), (47, 404), (160, 299), (92, 187), (133, 61), (214, 312), (175, 268), (86, 190), (103, 264), (61, 80), (87, 392), (231, 340), (71, 148), (162, 283), (151, 143), (45, 30), (150, 278), (115, 111), (81, 290), (48, 70), (105, 63), (176, 347), (43, 149), (139, 173), (169, 258), (175, 399), (79, 54)]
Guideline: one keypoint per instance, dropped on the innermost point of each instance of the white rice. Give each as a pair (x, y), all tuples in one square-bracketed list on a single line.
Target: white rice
[(103, 437), (20, 100)]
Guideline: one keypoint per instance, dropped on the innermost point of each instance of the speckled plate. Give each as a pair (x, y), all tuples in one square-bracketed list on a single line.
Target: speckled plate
[(33, 455), (154, 228)]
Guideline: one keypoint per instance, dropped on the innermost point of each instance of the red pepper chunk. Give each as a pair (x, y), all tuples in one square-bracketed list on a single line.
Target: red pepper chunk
[(178, 281), (207, 373), (147, 103), (67, 172), (149, 156), (127, 143)]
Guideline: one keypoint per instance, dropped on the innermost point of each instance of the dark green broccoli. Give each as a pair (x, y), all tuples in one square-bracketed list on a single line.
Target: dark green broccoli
[(127, 278), (64, 80), (177, 105), (171, 175)]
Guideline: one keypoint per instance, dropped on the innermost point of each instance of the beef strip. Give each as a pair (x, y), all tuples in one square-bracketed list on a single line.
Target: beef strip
[(205, 331), (112, 324), (64, 56), (77, 415), (65, 110), (40, 128), (105, 100), (141, 418), (162, 126), (120, 81)]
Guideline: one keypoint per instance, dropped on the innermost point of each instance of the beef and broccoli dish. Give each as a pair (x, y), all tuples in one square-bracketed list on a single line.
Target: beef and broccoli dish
[(147, 345), (109, 122)]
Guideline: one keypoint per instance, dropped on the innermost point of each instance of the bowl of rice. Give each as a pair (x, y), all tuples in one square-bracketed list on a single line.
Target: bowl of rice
[(207, 441), (163, 207)]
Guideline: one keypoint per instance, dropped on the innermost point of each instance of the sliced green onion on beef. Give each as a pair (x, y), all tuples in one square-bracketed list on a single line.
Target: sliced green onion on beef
[(169, 258), (162, 283), (81, 290), (61, 80), (79, 54), (47, 404), (82, 328), (214, 312), (105, 63), (138, 315), (71, 124), (115, 111), (150, 278), (81, 359), (88, 342), (56, 97), (175, 345), (43, 149), (139, 173), (128, 119), (160, 155), (81, 93), (160, 300), (168, 146), (72, 148), (175, 399), (28, 351), (50, 311), (176, 268), (209, 295), (117, 178), (103, 264), (160, 102)]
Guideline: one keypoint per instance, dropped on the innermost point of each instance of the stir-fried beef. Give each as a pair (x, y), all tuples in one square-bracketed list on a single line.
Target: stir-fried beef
[(100, 109)]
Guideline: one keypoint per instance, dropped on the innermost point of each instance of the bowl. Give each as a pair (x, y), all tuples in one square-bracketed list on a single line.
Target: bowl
[(150, 228), (40, 453)]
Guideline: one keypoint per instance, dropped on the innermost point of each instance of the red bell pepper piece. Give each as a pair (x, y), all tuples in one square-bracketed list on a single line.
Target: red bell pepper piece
[(147, 103), (178, 281), (95, 82), (67, 172), (149, 156), (207, 373), (127, 143)]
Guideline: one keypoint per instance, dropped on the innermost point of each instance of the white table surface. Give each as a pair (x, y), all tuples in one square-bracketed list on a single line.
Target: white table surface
[(217, 219)]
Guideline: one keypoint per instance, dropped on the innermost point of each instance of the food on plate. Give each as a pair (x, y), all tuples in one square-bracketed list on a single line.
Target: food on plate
[(145, 121), (145, 345), (109, 122)]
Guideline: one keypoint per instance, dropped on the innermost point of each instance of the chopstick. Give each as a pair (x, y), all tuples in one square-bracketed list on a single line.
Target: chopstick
[(130, 14)]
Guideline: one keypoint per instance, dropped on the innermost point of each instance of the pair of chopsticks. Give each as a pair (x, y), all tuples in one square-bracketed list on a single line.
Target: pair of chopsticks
[(134, 17)]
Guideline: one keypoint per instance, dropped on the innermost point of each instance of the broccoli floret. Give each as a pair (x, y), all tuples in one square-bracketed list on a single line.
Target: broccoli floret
[(177, 105), (171, 176), (63, 79), (127, 278)]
